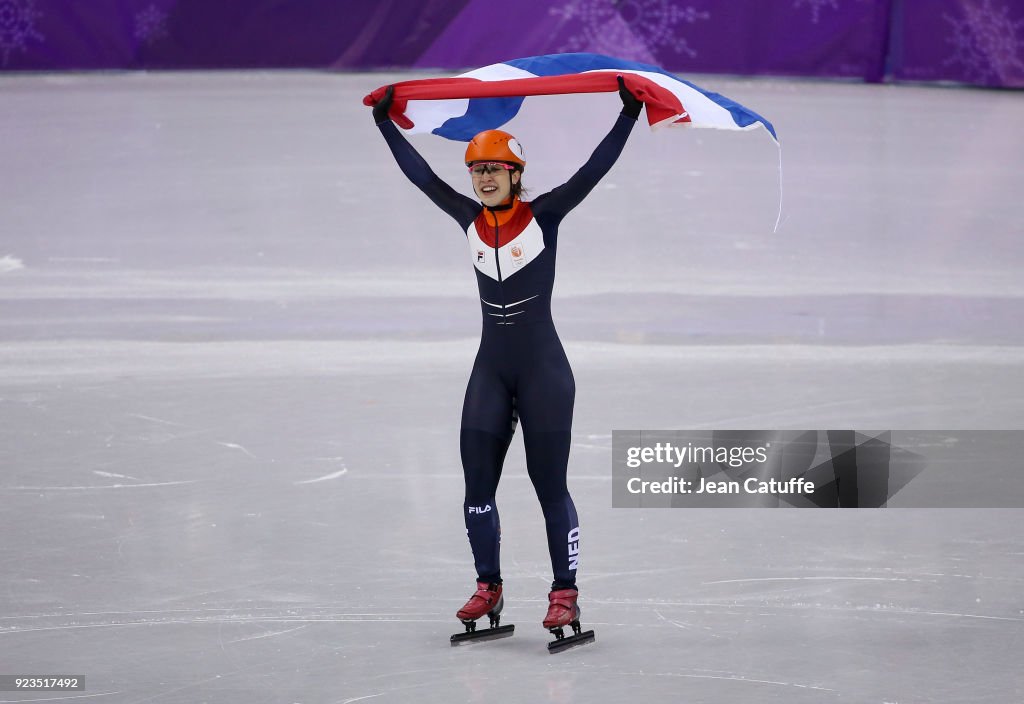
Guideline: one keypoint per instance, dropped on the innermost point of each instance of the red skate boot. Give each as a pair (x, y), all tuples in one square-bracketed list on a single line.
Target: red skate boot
[(486, 601), (563, 611)]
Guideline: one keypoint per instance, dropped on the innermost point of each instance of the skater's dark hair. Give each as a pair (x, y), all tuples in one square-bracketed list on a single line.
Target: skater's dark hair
[(518, 190)]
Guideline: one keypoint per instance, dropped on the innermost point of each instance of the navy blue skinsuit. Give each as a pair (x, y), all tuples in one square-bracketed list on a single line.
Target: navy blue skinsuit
[(521, 371)]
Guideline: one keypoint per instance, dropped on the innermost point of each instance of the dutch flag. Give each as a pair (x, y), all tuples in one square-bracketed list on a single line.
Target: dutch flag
[(486, 98)]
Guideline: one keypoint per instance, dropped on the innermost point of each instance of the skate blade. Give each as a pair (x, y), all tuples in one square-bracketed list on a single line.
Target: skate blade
[(484, 634), (557, 646)]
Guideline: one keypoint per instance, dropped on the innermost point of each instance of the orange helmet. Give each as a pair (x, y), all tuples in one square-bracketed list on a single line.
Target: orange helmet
[(495, 145)]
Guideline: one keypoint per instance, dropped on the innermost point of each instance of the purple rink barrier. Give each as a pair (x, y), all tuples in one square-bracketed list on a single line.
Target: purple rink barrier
[(216, 34), (780, 37), (979, 42), (968, 41)]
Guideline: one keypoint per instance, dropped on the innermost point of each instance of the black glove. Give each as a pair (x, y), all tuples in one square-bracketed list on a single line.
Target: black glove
[(380, 110), (630, 105)]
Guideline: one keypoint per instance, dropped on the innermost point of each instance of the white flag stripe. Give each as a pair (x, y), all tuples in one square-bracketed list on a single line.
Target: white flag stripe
[(703, 111), (427, 115)]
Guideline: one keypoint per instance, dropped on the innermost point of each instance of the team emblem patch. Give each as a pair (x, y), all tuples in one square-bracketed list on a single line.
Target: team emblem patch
[(518, 256)]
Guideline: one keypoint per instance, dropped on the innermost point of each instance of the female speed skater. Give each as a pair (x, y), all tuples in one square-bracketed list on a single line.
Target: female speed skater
[(520, 371)]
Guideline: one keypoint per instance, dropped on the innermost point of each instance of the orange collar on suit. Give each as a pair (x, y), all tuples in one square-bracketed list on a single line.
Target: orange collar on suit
[(510, 222)]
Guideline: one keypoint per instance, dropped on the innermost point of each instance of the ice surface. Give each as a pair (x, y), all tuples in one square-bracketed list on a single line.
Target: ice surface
[(234, 343)]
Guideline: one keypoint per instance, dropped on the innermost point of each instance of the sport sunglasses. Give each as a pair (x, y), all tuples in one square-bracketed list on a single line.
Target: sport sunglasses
[(489, 167)]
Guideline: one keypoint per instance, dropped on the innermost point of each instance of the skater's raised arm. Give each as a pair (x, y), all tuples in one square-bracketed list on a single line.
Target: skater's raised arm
[(416, 169), (561, 200)]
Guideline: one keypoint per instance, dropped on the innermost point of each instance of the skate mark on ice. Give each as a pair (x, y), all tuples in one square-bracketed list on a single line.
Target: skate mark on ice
[(874, 609), (955, 575), (632, 573), (235, 446), (812, 579), (947, 613), (111, 475), (269, 635), (60, 699), (220, 641), (359, 699), (209, 610), (193, 685), (686, 626), (731, 678), (156, 420), (326, 477), (13, 630), (104, 486)]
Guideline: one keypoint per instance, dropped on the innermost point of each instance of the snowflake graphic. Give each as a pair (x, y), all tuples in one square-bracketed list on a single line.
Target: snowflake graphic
[(17, 26), (816, 6), (985, 42), (628, 28), (150, 25)]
